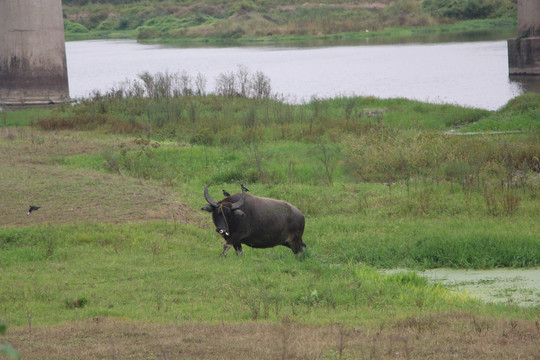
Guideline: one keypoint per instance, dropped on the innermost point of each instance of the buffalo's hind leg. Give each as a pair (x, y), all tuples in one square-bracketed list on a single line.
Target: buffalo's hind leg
[(238, 248), (296, 244), (298, 248)]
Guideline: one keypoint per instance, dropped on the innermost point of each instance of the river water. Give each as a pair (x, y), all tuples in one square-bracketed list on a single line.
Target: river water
[(472, 74)]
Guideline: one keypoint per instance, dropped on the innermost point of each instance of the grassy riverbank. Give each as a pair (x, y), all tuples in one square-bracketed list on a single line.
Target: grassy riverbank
[(120, 259), (278, 21)]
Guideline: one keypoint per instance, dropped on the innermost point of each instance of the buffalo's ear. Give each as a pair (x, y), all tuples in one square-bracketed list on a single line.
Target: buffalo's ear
[(238, 213), (208, 208)]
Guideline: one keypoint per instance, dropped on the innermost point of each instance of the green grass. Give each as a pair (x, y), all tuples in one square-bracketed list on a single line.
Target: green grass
[(519, 114), (121, 233), (10, 117), (419, 225), (162, 272)]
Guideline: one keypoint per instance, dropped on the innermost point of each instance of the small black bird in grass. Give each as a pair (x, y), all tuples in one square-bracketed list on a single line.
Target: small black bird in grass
[(32, 208), (225, 193), (244, 189)]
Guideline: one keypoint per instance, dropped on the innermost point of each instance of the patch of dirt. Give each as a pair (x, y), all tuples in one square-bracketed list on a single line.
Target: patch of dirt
[(445, 336)]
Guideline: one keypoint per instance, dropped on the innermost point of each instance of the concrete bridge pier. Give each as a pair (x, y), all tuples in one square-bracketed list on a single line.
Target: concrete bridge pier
[(33, 66), (524, 50)]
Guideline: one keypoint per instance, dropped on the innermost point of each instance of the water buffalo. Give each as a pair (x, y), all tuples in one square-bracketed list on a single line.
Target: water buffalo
[(256, 221)]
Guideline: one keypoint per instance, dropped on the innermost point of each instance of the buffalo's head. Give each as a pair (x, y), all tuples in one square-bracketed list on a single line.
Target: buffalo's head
[(224, 213)]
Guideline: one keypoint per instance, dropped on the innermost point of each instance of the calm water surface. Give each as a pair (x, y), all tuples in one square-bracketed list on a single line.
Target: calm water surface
[(471, 73)]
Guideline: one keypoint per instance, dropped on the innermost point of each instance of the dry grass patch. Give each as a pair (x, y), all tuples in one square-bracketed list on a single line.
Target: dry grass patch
[(30, 145), (29, 176), (444, 336), (71, 196)]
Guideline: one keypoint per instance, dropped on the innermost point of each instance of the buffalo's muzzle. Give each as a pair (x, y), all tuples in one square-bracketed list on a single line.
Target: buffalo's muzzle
[(223, 233)]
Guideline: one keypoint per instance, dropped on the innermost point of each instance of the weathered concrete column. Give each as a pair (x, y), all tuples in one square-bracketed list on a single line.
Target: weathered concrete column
[(33, 66), (524, 51)]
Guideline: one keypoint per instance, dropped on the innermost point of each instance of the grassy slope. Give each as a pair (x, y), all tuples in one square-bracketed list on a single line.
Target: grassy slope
[(115, 243)]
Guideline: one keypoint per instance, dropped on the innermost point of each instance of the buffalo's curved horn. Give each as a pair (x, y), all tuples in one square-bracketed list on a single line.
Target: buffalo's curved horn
[(239, 203), (208, 197)]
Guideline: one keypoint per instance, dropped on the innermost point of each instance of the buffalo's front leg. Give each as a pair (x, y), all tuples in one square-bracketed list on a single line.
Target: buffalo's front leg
[(226, 248)]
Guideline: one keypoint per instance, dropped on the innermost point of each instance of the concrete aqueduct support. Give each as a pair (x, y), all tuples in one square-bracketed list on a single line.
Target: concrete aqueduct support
[(524, 51), (33, 66)]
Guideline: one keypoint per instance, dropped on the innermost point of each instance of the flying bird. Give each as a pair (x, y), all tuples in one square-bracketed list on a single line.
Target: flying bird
[(32, 208), (225, 193), (244, 189)]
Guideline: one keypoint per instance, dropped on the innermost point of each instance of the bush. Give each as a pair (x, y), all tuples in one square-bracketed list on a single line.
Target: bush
[(74, 28), (97, 17), (78, 303), (145, 32), (243, 84), (108, 24)]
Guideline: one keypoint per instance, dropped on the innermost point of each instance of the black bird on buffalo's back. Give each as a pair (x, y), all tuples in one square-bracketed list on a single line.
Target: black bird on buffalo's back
[(244, 189), (225, 193), (256, 222), (32, 208)]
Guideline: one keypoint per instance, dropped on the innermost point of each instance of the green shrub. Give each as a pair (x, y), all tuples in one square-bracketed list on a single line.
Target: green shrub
[(108, 24), (146, 32), (74, 28), (77, 303)]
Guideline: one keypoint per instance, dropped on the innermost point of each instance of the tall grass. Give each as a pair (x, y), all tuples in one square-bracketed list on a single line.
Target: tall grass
[(386, 141)]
